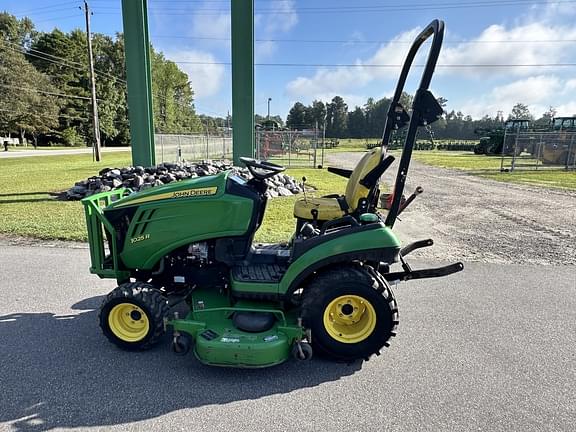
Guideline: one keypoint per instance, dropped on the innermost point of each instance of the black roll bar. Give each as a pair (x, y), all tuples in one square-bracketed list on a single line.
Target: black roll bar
[(421, 106)]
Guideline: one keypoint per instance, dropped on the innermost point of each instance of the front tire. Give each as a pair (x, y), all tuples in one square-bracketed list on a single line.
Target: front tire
[(132, 316), (350, 316)]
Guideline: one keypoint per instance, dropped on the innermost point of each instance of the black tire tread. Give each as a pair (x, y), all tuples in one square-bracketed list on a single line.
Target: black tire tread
[(145, 295), (327, 280)]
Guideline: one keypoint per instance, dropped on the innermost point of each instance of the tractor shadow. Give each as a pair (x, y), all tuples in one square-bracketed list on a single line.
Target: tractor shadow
[(60, 371), (31, 197)]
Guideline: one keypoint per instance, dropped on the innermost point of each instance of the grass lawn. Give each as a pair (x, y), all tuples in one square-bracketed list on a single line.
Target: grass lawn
[(28, 206), (489, 167)]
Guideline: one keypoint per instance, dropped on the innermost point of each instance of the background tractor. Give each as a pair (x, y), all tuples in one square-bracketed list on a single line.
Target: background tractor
[(562, 151), (492, 141)]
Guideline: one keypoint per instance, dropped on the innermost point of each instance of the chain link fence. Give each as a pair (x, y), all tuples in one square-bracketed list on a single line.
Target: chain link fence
[(538, 150), (175, 148), (304, 148), (291, 148)]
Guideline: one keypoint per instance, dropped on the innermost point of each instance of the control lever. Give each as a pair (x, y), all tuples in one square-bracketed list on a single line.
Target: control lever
[(411, 198), (304, 189)]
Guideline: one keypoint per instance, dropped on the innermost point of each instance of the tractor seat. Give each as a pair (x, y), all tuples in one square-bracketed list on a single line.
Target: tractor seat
[(359, 186), (328, 208)]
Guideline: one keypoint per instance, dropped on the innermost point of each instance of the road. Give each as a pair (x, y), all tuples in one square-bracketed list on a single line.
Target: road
[(71, 151), (476, 219), (490, 348)]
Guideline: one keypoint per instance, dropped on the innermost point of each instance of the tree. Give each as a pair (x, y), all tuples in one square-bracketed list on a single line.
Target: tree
[(68, 73), (520, 112), (297, 117), (356, 123), (317, 113), (337, 118), (547, 117), (15, 31), (173, 98), (32, 107), (375, 114)]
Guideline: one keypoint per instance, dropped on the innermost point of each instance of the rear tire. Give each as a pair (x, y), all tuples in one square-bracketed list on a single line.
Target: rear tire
[(132, 316), (350, 316)]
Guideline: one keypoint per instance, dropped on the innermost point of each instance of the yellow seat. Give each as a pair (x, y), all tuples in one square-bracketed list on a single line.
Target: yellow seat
[(331, 207), (328, 208)]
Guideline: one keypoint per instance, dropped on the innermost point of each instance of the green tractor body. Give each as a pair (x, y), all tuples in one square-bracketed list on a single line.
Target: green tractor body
[(201, 230), (493, 142), (190, 243)]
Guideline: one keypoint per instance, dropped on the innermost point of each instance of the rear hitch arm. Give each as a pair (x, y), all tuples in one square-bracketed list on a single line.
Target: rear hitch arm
[(409, 274), (424, 273)]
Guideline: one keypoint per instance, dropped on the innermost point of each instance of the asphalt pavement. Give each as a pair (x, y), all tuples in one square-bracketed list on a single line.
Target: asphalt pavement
[(491, 349)]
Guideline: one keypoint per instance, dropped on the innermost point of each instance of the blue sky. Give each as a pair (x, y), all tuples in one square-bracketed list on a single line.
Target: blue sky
[(361, 33)]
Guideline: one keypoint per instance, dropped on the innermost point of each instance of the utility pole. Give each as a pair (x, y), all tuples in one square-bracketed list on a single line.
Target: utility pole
[(95, 122), (269, 99)]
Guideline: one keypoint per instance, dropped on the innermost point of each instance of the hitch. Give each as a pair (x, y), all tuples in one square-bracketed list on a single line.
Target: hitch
[(409, 274), (424, 273)]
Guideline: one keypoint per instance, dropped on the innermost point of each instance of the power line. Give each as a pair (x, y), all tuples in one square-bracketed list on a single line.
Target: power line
[(55, 5), (44, 12), (64, 62), (56, 18), (26, 51), (350, 41), (58, 115), (60, 60), (358, 9), (353, 65), (44, 92), (115, 122)]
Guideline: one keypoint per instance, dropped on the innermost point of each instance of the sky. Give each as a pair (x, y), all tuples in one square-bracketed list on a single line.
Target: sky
[(316, 49)]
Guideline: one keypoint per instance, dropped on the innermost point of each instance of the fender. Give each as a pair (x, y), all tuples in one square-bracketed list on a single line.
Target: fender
[(373, 242)]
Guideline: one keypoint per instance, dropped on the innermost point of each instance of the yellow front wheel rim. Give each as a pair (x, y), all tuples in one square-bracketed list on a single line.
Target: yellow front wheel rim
[(349, 319), (128, 322)]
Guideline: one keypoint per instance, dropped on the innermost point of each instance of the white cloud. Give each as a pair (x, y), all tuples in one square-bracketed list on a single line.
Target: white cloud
[(283, 19), (536, 92), (267, 25), (211, 26), (264, 49), (570, 85), (206, 78), (566, 109), (341, 79), (532, 90), (520, 46)]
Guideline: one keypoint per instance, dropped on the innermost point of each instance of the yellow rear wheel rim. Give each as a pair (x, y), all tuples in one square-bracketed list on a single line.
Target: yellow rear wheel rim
[(128, 322), (349, 319)]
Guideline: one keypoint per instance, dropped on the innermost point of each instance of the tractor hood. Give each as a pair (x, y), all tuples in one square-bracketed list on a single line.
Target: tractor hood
[(206, 186)]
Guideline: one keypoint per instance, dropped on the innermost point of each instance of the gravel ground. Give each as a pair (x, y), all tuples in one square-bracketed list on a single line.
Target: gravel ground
[(475, 219)]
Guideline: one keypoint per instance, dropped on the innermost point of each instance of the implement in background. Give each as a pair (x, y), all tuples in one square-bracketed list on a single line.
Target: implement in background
[(538, 150)]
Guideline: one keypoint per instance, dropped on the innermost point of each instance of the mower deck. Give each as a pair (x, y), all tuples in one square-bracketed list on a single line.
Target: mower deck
[(218, 342)]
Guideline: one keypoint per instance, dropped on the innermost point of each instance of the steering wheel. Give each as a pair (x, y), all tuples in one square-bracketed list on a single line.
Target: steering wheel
[(261, 169)]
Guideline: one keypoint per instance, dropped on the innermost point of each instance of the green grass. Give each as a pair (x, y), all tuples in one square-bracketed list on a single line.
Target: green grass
[(489, 167), (28, 187)]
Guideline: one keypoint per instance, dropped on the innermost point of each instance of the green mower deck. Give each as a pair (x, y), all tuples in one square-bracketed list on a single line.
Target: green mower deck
[(219, 343)]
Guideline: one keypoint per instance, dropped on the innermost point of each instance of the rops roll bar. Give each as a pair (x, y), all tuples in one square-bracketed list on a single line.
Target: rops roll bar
[(425, 108)]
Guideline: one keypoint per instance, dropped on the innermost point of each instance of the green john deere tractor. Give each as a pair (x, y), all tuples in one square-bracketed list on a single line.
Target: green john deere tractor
[(492, 143), (326, 290)]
